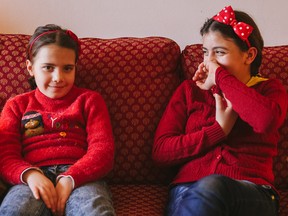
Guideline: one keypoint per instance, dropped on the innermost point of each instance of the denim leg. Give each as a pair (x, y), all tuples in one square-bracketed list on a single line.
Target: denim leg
[(218, 195), (90, 199), (20, 201)]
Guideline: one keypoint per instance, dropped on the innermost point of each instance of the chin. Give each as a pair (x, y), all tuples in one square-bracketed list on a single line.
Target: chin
[(54, 96)]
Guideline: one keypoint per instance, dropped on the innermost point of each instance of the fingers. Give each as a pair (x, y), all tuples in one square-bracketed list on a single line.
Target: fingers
[(49, 197), (219, 102), (35, 193), (64, 189), (200, 74), (205, 76), (61, 206), (43, 188), (222, 103), (225, 115)]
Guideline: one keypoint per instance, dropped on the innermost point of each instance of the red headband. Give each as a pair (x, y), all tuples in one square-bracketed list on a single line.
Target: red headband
[(68, 32), (242, 30)]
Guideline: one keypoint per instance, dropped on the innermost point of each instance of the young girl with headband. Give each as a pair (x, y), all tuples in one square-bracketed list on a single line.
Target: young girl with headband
[(221, 128), (56, 141)]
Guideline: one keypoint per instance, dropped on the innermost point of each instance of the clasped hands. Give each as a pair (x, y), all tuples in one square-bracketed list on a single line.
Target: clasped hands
[(54, 197), (205, 79)]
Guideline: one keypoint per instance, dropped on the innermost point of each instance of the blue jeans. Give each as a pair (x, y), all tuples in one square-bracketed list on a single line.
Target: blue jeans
[(89, 199), (218, 195)]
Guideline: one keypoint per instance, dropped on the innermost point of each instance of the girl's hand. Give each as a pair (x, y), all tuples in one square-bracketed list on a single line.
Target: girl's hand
[(201, 73), (41, 187), (64, 188), (205, 75), (225, 115)]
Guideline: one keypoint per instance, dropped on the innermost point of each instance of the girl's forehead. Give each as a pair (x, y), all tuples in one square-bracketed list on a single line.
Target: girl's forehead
[(57, 53), (215, 37)]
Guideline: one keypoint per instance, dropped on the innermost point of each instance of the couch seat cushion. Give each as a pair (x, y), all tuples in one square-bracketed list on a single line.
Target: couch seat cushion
[(139, 200)]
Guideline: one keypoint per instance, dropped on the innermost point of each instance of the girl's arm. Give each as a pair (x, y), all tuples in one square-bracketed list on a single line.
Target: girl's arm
[(172, 145), (13, 168), (99, 159), (262, 106), (12, 163)]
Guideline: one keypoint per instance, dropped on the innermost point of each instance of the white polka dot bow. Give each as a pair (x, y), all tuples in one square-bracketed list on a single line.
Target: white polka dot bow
[(227, 16)]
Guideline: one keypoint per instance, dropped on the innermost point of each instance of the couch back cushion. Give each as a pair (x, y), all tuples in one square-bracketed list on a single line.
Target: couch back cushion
[(274, 65), (13, 74), (136, 77)]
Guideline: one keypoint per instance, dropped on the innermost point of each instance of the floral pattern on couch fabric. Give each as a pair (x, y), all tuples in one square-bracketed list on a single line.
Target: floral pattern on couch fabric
[(136, 78), (274, 65), (13, 75)]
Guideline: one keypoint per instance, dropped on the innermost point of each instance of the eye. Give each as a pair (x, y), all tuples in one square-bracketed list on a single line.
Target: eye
[(48, 68), (205, 52), (220, 52), (68, 68)]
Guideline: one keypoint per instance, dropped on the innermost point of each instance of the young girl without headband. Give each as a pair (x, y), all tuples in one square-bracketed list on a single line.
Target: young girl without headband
[(221, 128), (56, 141)]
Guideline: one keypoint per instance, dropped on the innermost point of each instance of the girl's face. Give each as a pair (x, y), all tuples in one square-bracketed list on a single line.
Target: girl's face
[(228, 55), (54, 70)]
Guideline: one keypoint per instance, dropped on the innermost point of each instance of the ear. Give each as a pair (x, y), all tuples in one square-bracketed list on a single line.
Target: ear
[(29, 66), (251, 55)]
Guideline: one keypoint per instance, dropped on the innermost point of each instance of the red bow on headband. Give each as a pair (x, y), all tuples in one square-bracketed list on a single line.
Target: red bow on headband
[(227, 16)]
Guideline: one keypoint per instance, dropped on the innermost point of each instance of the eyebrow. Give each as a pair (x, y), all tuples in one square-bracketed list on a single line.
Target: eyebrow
[(217, 47), (51, 64)]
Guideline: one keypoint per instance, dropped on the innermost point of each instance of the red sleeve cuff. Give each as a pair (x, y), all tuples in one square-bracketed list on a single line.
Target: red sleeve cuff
[(215, 133)]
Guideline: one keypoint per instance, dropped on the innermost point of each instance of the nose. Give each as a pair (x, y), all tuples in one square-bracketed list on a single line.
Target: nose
[(210, 56), (57, 75)]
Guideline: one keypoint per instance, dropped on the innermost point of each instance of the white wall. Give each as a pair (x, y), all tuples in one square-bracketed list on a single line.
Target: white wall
[(179, 20)]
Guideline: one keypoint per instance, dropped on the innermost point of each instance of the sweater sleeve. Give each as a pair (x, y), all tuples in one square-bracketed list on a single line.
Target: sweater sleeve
[(12, 163), (99, 159), (172, 145), (262, 106)]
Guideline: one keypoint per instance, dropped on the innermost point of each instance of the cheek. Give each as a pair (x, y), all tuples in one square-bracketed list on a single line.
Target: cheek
[(71, 77), (41, 79), (223, 61), (71, 80)]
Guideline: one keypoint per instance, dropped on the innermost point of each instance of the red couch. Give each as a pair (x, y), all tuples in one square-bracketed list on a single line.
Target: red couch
[(137, 77)]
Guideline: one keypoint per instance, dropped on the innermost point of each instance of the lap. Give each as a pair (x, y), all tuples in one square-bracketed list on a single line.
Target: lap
[(220, 195), (20, 201), (90, 199)]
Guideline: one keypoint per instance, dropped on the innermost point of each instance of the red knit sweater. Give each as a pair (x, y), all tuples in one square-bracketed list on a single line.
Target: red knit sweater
[(38, 131), (188, 134)]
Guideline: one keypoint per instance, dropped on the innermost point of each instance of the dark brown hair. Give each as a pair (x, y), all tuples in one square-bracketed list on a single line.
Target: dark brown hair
[(55, 35), (255, 38)]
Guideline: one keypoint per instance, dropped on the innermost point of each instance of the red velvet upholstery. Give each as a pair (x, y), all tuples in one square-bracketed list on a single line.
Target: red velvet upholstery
[(13, 75), (136, 77), (139, 200), (274, 64)]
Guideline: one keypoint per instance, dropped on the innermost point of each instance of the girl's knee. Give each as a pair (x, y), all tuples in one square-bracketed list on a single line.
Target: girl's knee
[(20, 201), (96, 197)]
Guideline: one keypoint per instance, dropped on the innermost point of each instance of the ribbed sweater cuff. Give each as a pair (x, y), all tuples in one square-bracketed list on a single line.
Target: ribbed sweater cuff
[(215, 133), (30, 168)]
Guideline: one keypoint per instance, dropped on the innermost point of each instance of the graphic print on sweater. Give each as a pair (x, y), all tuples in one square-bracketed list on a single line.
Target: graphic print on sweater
[(32, 124)]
